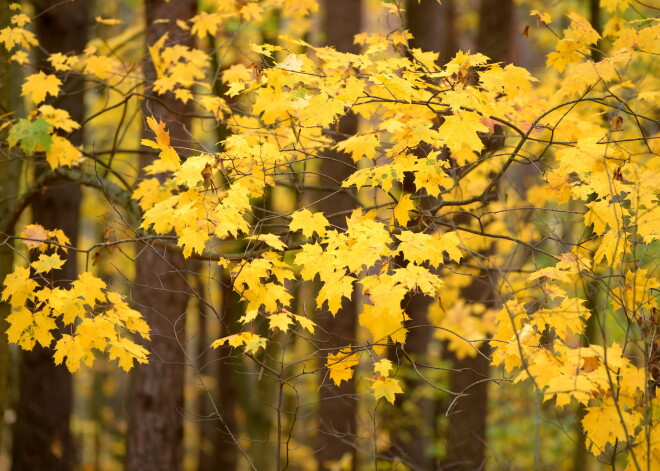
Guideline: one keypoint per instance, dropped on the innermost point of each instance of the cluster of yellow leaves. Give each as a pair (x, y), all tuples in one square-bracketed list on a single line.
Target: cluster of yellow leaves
[(91, 317), (608, 171)]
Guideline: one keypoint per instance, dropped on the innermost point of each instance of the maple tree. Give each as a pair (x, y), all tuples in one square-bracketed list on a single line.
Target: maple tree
[(562, 216)]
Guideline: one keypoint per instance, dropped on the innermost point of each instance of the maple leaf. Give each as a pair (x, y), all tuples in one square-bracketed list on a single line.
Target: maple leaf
[(62, 153), (340, 365), (251, 341), (460, 131), (89, 288), (127, 352), (387, 388), (18, 286), (58, 118), (101, 66), (401, 212), (69, 347), (205, 23), (40, 85), (305, 323), (270, 239), (33, 135), (337, 287), (280, 321), (308, 222), (46, 263), (596, 417), (383, 367), (192, 240)]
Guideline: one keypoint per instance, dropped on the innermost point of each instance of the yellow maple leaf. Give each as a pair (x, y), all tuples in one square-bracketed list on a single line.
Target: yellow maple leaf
[(602, 424), (69, 346), (206, 23), (308, 222), (18, 286), (90, 288), (40, 85), (251, 341), (341, 365), (459, 131), (62, 153), (337, 287), (383, 367), (402, 210), (192, 240), (387, 388), (127, 352), (281, 321)]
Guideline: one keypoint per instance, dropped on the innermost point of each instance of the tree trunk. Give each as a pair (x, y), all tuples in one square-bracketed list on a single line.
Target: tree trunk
[(338, 405), (433, 26), (498, 31), (155, 431), (11, 164), (42, 438), (467, 421)]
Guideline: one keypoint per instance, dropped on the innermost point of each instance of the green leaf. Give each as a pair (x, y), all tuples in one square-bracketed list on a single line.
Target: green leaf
[(33, 135)]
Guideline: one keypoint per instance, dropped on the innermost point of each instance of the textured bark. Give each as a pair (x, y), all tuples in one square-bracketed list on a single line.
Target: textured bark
[(338, 405), (10, 171), (498, 30), (155, 430), (433, 26), (42, 438)]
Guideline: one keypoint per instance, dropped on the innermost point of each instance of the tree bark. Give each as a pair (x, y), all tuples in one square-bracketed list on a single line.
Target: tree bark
[(338, 405), (433, 26), (42, 438), (466, 440), (155, 431), (11, 163), (497, 35)]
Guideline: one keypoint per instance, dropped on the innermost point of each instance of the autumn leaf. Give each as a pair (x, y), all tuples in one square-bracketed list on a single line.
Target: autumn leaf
[(340, 365), (386, 388), (46, 263), (33, 135), (308, 223), (40, 85)]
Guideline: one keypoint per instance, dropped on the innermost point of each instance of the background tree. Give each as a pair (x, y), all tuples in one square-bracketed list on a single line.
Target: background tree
[(39, 424), (155, 430)]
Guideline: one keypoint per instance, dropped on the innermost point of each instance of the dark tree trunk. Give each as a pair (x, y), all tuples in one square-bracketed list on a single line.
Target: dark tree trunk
[(498, 30), (155, 430), (338, 405), (466, 438), (218, 450), (433, 26), (11, 165), (42, 438)]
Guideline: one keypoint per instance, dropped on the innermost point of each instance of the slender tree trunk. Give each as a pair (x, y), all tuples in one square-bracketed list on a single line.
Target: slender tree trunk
[(155, 431), (225, 451), (11, 164), (338, 405), (42, 438)]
